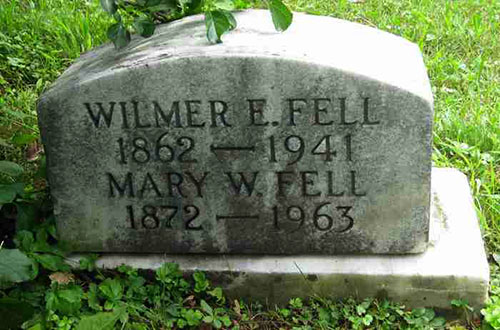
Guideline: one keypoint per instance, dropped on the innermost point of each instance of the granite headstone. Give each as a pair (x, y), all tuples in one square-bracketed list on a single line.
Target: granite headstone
[(312, 141)]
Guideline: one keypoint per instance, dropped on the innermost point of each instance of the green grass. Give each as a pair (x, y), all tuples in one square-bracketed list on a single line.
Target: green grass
[(38, 40)]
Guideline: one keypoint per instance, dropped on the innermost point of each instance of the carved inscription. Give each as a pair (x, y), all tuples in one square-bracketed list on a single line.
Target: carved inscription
[(163, 135)]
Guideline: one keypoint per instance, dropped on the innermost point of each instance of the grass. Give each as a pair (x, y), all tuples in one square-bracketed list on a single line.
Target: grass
[(460, 41), (38, 40)]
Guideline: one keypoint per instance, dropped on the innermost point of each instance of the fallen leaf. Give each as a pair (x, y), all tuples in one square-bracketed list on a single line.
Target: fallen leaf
[(33, 151), (237, 307), (62, 277), (190, 300)]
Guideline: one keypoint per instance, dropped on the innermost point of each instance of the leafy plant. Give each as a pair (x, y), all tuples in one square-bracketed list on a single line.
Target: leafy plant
[(491, 312), (15, 266), (215, 316), (11, 188), (87, 262), (464, 308), (142, 15), (35, 229), (64, 299), (351, 314), (425, 318)]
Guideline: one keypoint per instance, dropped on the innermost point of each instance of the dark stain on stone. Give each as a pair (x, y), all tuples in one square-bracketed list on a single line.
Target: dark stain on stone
[(382, 294), (312, 277)]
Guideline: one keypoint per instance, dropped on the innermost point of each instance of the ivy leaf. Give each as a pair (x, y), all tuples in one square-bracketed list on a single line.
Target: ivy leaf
[(52, 262), (217, 293), (286, 312), (119, 35), (224, 4), (111, 289), (231, 19), (10, 168), (168, 272), (206, 307), (8, 192), (193, 317), (191, 6), (429, 314), (161, 5), (26, 216), (73, 294), (42, 244), (93, 297), (15, 266), (181, 323), (109, 6), (68, 301), (99, 321), (7, 195), (438, 322), (217, 23), (25, 240), (201, 282), (145, 27), (360, 310), (281, 15), (173, 310), (367, 319), (323, 314), (87, 262), (226, 320)]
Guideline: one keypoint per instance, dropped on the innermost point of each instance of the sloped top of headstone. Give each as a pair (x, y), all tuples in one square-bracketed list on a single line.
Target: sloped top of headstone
[(326, 41)]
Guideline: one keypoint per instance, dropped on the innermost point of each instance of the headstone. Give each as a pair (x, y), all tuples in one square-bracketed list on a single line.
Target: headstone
[(313, 141)]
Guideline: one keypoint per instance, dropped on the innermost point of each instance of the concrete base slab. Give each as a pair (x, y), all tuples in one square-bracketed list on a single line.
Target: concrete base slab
[(453, 267)]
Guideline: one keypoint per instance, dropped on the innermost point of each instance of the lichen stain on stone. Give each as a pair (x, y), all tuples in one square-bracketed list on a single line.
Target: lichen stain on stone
[(312, 277), (382, 294), (443, 219)]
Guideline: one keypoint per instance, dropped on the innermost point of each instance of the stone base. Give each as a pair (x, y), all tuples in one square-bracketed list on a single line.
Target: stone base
[(453, 267)]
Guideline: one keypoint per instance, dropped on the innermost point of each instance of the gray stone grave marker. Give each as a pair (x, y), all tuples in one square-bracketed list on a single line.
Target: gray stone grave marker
[(297, 146), (317, 140)]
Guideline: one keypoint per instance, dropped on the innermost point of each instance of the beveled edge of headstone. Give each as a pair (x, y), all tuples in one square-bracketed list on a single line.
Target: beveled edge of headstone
[(349, 47)]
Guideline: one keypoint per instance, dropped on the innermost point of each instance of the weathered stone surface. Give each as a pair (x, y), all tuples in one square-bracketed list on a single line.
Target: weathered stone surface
[(328, 127), (453, 267)]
